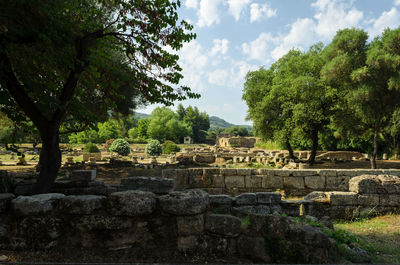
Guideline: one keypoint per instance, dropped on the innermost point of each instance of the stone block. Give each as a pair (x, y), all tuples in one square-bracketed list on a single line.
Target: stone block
[(186, 243), (293, 183), (36, 204), (3, 173), (132, 203), (184, 202), (83, 175), (5, 201), (218, 200), (327, 172), (339, 183), (283, 172), (225, 225), (390, 183), (179, 176), (217, 181), (102, 222), (243, 171), (366, 184), (318, 196), (229, 171), (368, 200), (304, 172), (190, 225), (253, 181), (81, 204), (268, 197), (246, 199), (212, 171), (346, 173), (315, 182), (152, 184), (234, 182), (272, 182), (253, 248), (389, 200), (394, 172), (264, 172), (195, 172), (343, 198)]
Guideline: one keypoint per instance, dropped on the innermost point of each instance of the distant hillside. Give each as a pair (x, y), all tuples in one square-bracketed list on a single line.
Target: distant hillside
[(214, 121)]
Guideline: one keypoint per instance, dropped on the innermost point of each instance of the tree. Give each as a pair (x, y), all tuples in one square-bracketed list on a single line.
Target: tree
[(83, 59), (367, 75), (198, 121)]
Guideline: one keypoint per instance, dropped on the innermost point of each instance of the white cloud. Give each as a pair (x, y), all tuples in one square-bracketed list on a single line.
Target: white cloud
[(218, 77), (236, 7), (238, 73), (258, 12), (258, 48), (389, 19), (221, 46), (334, 15), (396, 2), (191, 4), (208, 13)]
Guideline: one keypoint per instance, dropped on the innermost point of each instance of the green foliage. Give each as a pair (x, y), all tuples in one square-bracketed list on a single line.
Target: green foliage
[(170, 147), (199, 122), (121, 147), (154, 148), (237, 131), (91, 148)]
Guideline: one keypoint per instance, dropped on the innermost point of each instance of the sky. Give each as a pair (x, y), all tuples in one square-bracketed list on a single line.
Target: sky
[(237, 36)]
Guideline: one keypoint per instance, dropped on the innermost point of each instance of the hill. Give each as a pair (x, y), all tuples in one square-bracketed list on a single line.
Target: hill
[(214, 121)]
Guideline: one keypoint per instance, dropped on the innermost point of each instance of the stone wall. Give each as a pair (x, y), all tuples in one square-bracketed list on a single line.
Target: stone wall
[(143, 226), (292, 182)]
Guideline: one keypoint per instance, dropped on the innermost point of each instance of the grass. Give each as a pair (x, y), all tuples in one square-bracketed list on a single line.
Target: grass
[(267, 145), (381, 233)]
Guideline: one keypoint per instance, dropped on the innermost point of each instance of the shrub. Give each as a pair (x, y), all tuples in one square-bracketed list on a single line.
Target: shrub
[(170, 147), (121, 147), (91, 148), (108, 144), (139, 140), (153, 148)]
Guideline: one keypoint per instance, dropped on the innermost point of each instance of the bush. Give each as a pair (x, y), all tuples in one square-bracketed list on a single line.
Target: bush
[(170, 147), (153, 148), (121, 147), (108, 144), (91, 148), (139, 140)]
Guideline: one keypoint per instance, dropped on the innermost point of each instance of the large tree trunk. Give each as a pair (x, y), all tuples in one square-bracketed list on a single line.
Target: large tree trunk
[(375, 152), (290, 149), (49, 161), (314, 147)]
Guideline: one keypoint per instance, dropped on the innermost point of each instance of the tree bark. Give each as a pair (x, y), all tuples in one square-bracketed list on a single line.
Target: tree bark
[(49, 160), (290, 149), (314, 147), (375, 151)]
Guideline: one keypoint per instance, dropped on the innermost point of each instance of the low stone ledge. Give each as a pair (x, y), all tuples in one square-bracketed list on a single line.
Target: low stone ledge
[(184, 202), (36, 204), (245, 199), (268, 197), (132, 203), (219, 200), (152, 184), (225, 225), (366, 184), (338, 198), (83, 175), (5, 201), (81, 204)]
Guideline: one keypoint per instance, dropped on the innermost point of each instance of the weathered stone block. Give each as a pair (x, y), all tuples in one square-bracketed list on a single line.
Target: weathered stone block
[(229, 171), (81, 204), (272, 182), (315, 182), (264, 172), (186, 243), (283, 172), (366, 184), (184, 202), (293, 183), (132, 203), (218, 181), (234, 182), (343, 198), (246, 199), (318, 196), (339, 183), (253, 181), (5, 201), (83, 175), (225, 225), (152, 184), (368, 200), (304, 172), (268, 197), (179, 176), (102, 222), (327, 172), (218, 200), (190, 225), (389, 200), (390, 183), (212, 171), (253, 248), (243, 171), (346, 173), (36, 204)]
